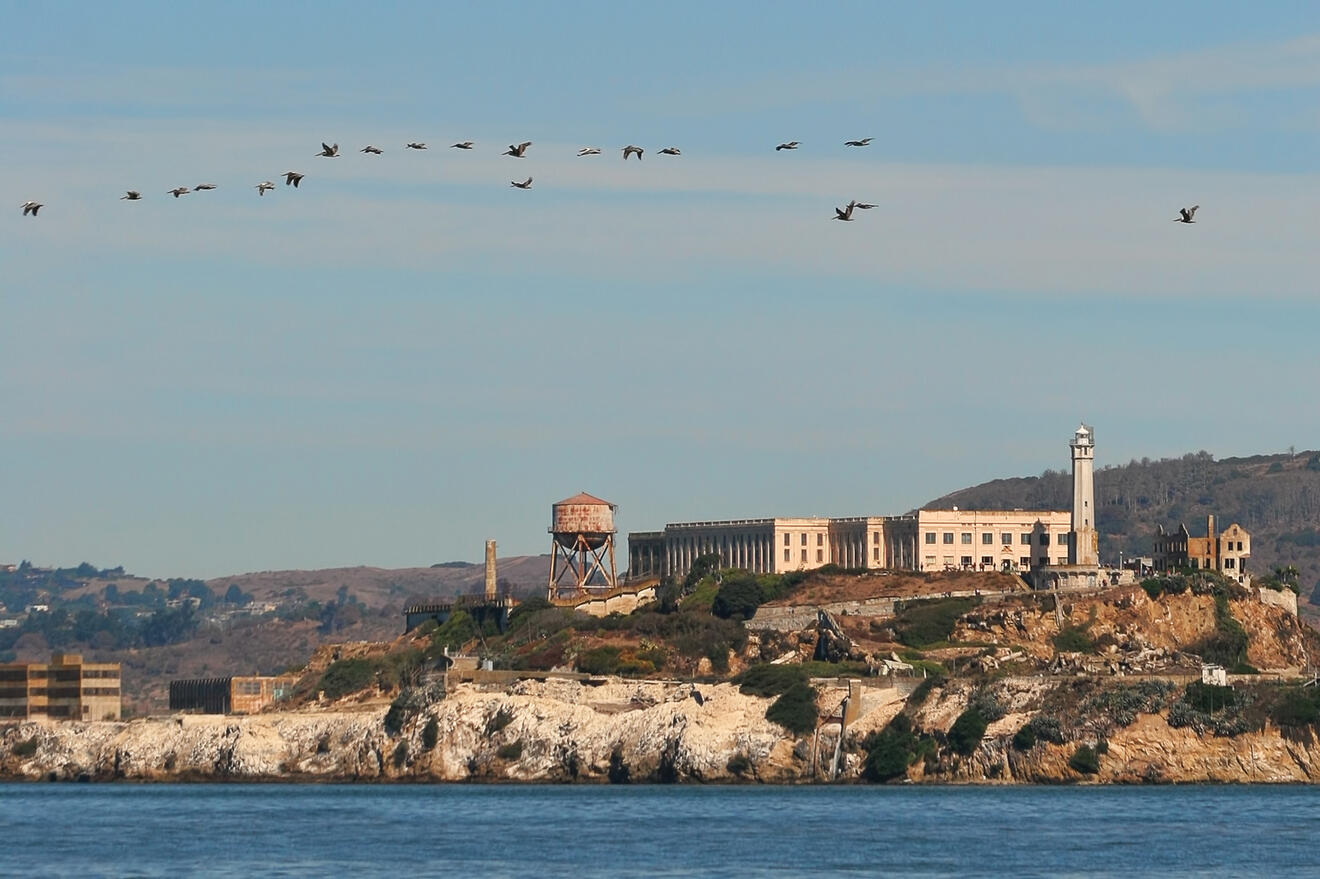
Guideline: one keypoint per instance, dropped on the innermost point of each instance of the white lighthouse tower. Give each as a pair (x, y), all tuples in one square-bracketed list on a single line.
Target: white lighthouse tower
[(1083, 544)]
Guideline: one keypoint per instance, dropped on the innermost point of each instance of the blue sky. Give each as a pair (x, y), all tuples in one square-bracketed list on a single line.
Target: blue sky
[(405, 356)]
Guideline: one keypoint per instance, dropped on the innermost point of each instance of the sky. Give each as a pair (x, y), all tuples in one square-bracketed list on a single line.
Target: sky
[(405, 356)]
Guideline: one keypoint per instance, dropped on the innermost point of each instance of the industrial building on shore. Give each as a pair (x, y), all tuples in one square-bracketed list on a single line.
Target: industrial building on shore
[(66, 688)]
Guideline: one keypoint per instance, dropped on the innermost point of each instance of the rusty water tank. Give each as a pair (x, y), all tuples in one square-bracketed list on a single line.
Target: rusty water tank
[(581, 519)]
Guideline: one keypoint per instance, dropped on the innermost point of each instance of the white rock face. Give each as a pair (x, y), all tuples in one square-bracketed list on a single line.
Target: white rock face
[(534, 731)]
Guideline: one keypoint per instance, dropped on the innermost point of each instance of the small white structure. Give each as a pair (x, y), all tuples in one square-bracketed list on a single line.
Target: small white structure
[(1214, 674)]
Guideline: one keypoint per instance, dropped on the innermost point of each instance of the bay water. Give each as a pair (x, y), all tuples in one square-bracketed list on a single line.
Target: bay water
[(489, 831)]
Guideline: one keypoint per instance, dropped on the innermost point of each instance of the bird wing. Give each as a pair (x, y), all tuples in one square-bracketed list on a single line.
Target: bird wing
[(1192, 211)]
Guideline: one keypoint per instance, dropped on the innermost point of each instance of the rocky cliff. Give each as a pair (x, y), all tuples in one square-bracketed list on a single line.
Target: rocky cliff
[(620, 731)]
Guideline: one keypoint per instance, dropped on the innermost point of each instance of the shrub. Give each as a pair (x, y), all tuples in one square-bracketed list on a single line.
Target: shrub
[(453, 633), (1209, 698), (967, 731), (1084, 760), (1025, 738), (892, 750), (599, 661), (987, 705), (738, 597), (346, 676), (511, 751), (618, 773), (27, 748), (795, 710), (1295, 709), (769, 680), (397, 716), (1047, 728), (400, 754), (1072, 639), (928, 622), (430, 734)]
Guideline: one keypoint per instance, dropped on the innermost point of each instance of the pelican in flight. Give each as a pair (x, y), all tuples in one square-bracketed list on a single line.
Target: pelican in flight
[(263, 188), (131, 195), (415, 145), (330, 151), (589, 151), (203, 187), (630, 150), (864, 206), (526, 184), (373, 150), (179, 190), (461, 145), (671, 151), (519, 151), (866, 141), (1187, 214), (791, 145), (292, 178), (845, 214), (31, 207)]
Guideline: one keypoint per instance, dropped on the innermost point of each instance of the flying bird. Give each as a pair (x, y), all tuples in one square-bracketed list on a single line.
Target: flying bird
[(631, 150), (519, 151), (131, 195), (461, 145), (292, 178), (864, 206), (589, 151), (329, 151), (414, 146), (179, 190), (203, 187), (373, 150), (791, 145), (863, 142), (1187, 214), (263, 188), (845, 214), (671, 151), (31, 207), (526, 184)]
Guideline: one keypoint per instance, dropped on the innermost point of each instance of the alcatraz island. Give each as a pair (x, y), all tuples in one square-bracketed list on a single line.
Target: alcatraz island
[(984, 641)]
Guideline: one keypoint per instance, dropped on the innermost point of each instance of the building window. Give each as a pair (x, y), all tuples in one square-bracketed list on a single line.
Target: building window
[(987, 561), (876, 555), (1026, 539), (948, 561), (820, 539), (1228, 563), (804, 543), (787, 537), (987, 538), (1006, 538), (966, 561), (875, 537), (948, 538), (1044, 539), (1061, 561), (930, 536), (1024, 562), (930, 561), (1062, 540), (804, 555), (787, 553), (966, 538), (820, 555)]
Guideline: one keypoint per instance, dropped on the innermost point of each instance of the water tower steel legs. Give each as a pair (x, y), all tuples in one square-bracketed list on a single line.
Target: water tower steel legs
[(583, 563)]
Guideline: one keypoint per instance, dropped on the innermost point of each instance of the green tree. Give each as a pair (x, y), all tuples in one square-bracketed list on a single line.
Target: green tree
[(738, 597), (967, 731)]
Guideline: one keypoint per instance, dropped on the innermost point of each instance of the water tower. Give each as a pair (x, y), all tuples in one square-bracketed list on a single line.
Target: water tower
[(582, 548)]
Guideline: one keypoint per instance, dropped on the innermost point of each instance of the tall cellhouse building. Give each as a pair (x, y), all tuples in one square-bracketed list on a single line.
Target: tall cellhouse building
[(1084, 543)]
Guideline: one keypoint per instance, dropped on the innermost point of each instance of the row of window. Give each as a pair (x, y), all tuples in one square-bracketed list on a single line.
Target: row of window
[(988, 561), (820, 539), (1005, 538), (820, 555)]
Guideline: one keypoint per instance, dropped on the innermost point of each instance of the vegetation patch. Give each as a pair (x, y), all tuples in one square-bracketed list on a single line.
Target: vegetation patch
[(1121, 703), (1084, 760), (1073, 639), (430, 734), (498, 721), (770, 680), (739, 764), (513, 751), (967, 731), (893, 749), (931, 621), (346, 676), (25, 748), (400, 756), (795, 710)]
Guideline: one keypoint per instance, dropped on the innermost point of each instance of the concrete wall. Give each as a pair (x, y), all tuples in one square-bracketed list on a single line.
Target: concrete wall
[(1287, 599)]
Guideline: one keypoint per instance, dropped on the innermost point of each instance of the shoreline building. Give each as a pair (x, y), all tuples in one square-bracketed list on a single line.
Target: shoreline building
[(230, 695), (66, 688), (1063, 542)]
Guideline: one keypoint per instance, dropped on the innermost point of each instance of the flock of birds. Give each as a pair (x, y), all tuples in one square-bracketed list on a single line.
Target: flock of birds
[(518, 151)]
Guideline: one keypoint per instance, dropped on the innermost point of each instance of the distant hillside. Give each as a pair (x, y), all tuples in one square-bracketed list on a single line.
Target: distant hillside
[(1275, 497), (383, 587)]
